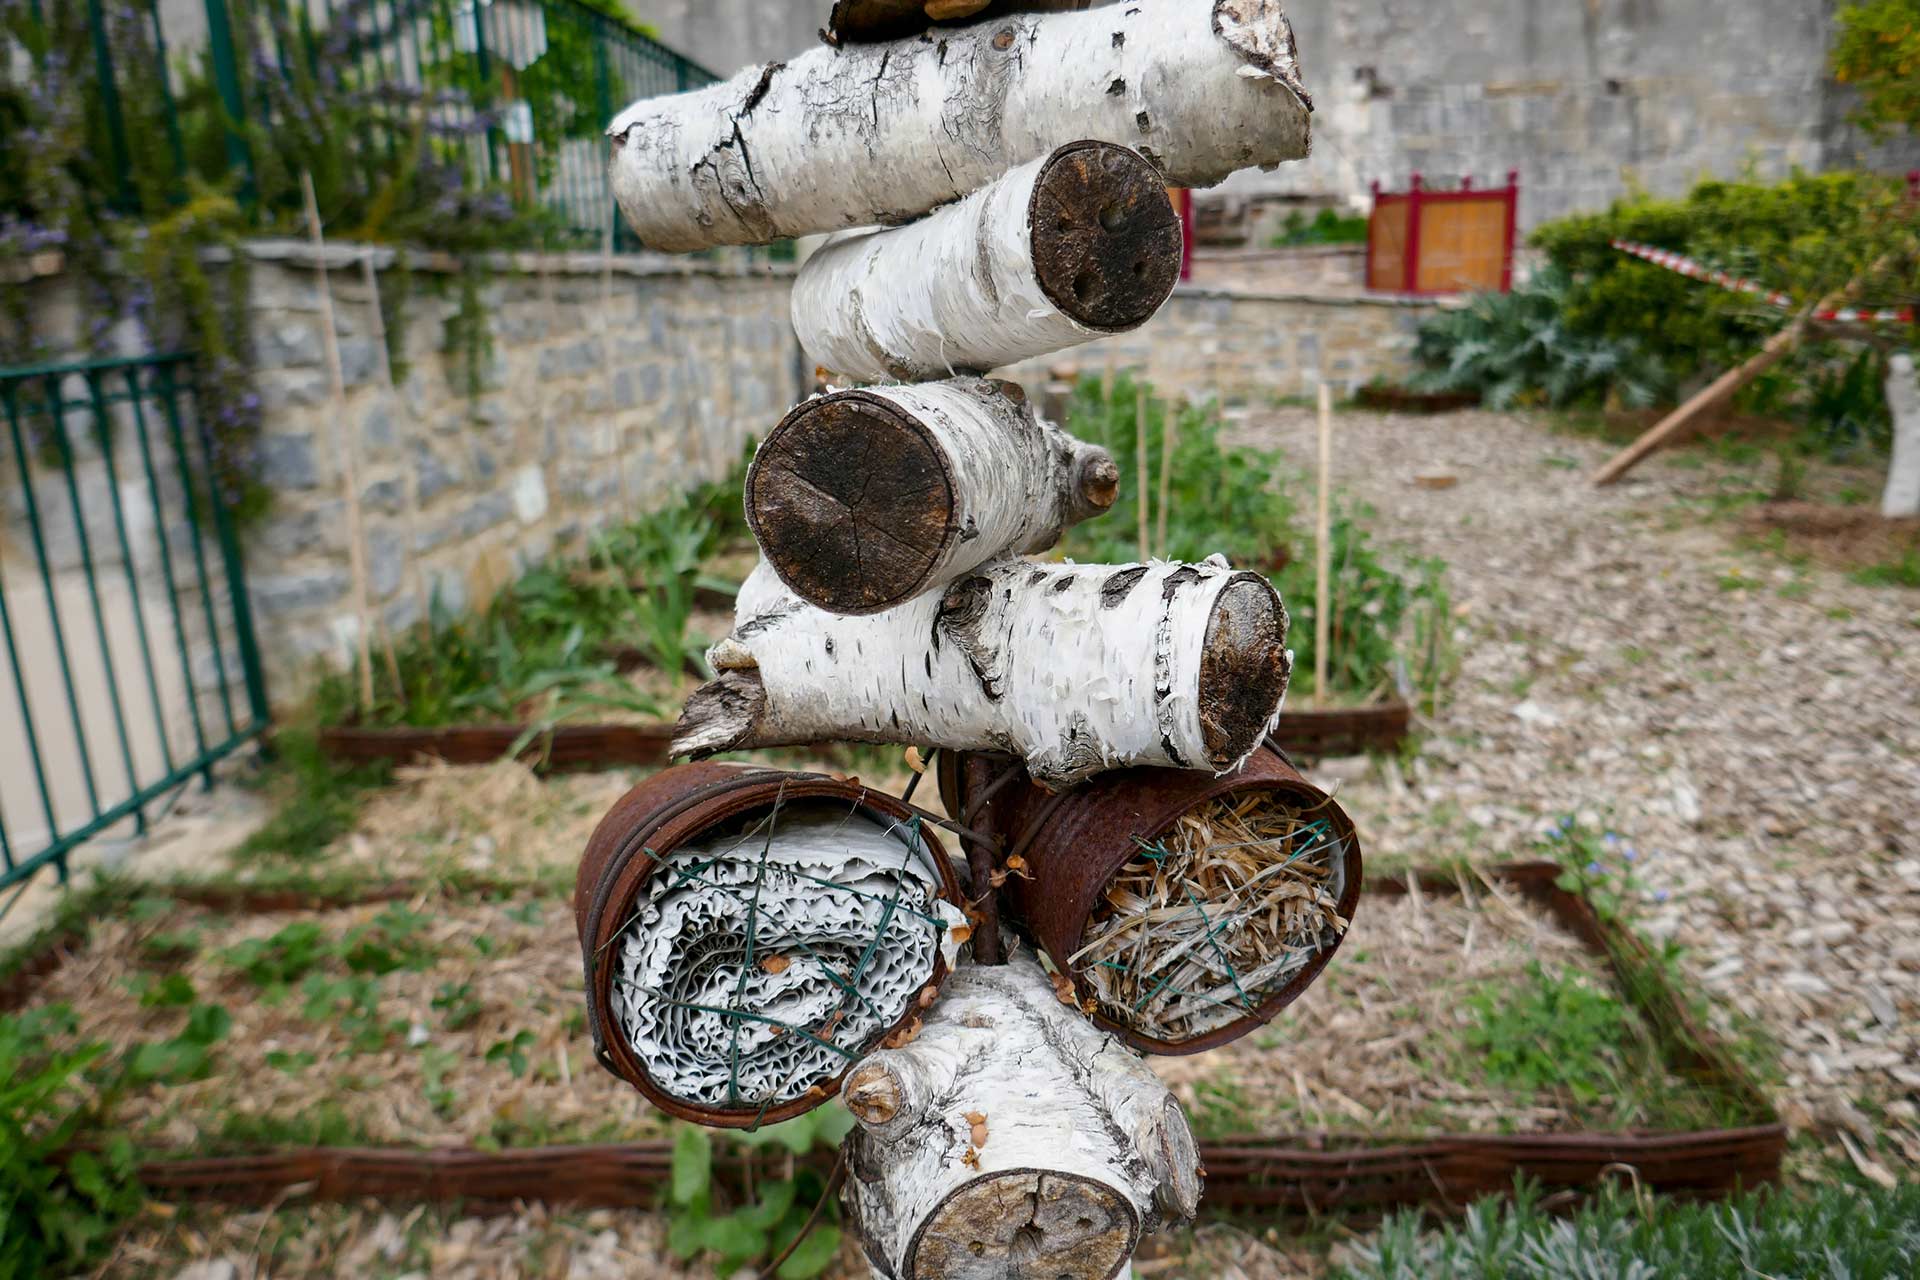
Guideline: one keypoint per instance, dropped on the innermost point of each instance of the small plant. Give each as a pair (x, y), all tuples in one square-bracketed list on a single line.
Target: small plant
[(513, 1052), (459, 1008), (281, 960), (188, 1055), (777, 1211), (390, 941), (1904, 572)]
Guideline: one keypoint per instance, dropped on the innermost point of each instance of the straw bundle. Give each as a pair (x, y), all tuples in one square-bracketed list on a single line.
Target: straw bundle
[(1214, 915)]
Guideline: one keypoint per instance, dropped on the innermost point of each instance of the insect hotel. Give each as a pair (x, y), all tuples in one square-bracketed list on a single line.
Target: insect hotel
[(1125, 865)]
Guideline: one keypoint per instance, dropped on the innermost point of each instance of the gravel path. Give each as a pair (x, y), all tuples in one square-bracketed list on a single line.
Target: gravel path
[(1749, 727)]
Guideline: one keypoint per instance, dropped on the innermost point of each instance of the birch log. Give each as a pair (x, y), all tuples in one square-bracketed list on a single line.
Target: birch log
[(861, 500), (864, 21), (1012, 1138), (882, 133), (1902, 495), (1075, 668), (1075, 246)]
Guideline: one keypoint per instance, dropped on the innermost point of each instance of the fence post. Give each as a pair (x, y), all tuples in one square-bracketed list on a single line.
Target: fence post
[(1513, 225), (226, 80), (1411, 282)]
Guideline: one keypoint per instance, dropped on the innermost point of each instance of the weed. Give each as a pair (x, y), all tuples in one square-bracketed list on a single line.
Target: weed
[(58, 1205), (1557, 1032), (282, 959), (459, 1008), (188, 1055), (513, 1052), (1904, 572), (315, 801)]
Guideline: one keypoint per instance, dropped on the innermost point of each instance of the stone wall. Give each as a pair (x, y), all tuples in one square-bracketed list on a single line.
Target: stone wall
[(1252, 348), (608, 393), (606, 397)]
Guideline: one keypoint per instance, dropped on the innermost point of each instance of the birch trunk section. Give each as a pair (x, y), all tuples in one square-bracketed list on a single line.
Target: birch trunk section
[(861, 500), (1075, 668), (1079, 245), (883, 133), (1011, 1137), (1902, 496)]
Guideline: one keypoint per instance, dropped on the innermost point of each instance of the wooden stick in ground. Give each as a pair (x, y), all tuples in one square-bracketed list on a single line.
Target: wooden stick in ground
[(349, 471), (1323, 552), (1169, 428), (1140, 463), (1729, 383)]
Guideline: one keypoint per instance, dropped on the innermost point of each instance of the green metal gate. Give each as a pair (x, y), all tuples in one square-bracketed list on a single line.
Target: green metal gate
[(129, 664)]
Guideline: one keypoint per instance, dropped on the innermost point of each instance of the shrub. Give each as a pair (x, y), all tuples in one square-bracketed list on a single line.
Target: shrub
[(1807, 236)]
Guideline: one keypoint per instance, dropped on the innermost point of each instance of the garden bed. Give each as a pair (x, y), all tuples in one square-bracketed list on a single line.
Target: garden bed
[(423, 1047)]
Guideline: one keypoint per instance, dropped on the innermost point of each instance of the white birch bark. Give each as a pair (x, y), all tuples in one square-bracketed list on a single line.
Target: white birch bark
[(1075, 668), (961, 290), (951, 475), (882, 133), (1012, 1137), (1902, 496)]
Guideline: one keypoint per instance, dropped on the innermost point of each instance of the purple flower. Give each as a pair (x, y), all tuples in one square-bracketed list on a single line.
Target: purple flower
[(1593, 868), (1630, 855), (1660, 895)]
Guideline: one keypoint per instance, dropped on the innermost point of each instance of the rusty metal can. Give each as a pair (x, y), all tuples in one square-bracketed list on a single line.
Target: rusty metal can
[(631, 867), (1063, 852)]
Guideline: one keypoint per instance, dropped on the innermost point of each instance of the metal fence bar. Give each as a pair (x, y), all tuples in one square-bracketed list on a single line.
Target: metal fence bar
[(105, 440), (57, 411), (169, 402), (166, 567), (114, 397)]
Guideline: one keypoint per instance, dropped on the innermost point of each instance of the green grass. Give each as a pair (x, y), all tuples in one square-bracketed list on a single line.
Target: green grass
[(315, 801), (1837, 1233), (1904, 572)]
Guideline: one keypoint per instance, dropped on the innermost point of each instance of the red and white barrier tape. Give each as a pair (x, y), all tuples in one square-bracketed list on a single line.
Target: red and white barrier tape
[(1739, 284)]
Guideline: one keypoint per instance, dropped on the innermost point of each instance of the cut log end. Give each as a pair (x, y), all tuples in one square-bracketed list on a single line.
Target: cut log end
[(1106, 240), (1243, 669), (865, 21), (851, 502), (1027, 1222)]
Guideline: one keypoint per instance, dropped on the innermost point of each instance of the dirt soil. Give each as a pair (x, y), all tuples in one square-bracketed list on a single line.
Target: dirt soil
[(1749, 726)]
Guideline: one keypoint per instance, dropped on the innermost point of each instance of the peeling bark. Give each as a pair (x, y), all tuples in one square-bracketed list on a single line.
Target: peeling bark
[(883, 133), (1012, 1138), (1075, 668), (861, 500), (1082, 244)]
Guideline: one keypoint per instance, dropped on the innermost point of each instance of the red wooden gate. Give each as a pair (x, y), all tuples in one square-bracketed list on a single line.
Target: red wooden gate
[(1421, 241)]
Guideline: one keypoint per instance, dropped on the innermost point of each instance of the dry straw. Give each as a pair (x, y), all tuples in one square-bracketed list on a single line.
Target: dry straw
[(1215, 915)]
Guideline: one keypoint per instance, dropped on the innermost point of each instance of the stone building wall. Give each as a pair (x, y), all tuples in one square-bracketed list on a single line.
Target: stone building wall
[(605, 398), (1252, 348)]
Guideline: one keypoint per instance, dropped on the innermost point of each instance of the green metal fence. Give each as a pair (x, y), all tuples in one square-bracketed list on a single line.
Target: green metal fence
[(129, 659), (515, 94)]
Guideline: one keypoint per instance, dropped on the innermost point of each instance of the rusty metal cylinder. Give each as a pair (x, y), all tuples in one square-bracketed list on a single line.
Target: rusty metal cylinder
[(693, 877), (1064, 851)]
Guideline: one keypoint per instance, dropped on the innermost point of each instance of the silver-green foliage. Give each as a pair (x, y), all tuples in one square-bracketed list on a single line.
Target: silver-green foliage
[(1517, 349), (1837, 1233)]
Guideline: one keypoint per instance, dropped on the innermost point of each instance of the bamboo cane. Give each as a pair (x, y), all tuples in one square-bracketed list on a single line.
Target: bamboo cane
[(1323, 552), (1169, 427), (1140, 462)]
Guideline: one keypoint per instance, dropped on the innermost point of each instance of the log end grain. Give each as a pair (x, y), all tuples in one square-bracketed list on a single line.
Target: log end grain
[(1243, 669), (1106, 240), (1027, 1222), (852, 503)]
